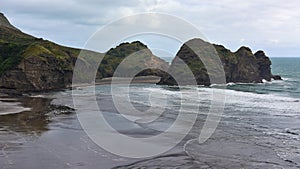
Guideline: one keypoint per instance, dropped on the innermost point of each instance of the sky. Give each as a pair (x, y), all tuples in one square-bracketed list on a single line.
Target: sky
[(272, 26)]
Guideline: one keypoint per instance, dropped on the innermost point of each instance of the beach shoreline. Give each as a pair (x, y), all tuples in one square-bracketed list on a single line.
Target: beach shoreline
[(121, 80), (4, 92)]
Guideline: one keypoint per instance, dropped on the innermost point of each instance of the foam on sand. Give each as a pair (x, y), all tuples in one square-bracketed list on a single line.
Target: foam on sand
[(7, 108)]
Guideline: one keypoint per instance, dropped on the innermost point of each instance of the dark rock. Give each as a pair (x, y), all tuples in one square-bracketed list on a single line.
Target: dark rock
[(276, 77), (60, 109), (264, 64), (187, 56), (241, 66), (247, 67)]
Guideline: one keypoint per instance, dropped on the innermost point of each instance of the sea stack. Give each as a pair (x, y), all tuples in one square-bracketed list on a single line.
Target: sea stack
[(241, 66)]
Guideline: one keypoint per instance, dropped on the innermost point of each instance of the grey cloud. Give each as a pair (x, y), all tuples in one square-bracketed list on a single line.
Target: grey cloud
[(258, 24)]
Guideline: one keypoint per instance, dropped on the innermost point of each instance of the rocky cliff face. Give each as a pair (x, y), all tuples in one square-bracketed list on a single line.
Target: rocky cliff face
[(35, 75), (241, 66), (33, 64), (39, 66)]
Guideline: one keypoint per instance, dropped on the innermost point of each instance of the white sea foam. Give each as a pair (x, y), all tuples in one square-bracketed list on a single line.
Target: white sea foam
[(273, 104), (231, 84), (235, 100), (163, 91), (39, 96), (289, 79), (246, 101), (7, 108)]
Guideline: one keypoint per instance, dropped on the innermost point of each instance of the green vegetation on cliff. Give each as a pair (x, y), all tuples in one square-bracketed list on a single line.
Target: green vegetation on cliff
[(33, 64), (10, 56), (115, 56), (138, 57)]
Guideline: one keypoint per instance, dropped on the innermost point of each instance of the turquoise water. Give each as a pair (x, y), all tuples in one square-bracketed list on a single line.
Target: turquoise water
[(289, 69)]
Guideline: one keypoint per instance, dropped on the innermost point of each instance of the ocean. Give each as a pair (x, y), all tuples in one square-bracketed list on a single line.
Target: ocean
[(259, 127)]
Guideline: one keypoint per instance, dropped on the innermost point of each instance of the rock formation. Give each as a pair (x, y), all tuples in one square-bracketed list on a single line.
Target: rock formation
[(135, 57), (241, 66)]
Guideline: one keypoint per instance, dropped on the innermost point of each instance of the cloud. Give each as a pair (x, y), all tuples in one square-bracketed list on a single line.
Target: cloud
[(258, 24)]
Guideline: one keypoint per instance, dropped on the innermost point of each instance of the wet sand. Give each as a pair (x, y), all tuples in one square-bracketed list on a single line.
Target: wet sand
[(36, 132), (48, 136)]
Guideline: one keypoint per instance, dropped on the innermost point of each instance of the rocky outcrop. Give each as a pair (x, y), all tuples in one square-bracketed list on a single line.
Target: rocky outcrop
[(246, 70), (135, 58), (265, 66), (37, 74), (241, 66)]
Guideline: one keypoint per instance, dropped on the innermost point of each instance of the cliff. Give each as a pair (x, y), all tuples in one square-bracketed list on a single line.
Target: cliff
[(30, 64), (241, 66)]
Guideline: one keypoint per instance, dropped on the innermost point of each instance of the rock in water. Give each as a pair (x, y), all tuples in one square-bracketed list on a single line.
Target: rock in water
[(276, 77), (241, 66)]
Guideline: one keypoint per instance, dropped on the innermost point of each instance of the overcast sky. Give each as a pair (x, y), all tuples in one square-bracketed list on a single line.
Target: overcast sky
[(272, 25)]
